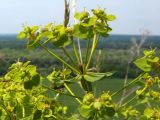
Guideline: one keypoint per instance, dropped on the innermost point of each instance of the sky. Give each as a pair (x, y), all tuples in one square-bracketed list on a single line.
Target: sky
[(133, 16)]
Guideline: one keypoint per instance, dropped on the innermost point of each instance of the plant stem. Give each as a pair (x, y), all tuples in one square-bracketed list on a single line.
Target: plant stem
[(75, 51), (70, 91), (80, 52), (125, 82), (134, 97), (61, 92), (92, 51), (67, 54), (87, 52), (98, 39), (60, 59), (133, 81)]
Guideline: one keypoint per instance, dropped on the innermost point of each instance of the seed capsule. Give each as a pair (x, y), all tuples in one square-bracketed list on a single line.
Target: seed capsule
[(149, 82), (69, 30)]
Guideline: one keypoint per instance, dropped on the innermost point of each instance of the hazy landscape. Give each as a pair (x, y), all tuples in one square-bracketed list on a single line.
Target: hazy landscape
[(115, 52)]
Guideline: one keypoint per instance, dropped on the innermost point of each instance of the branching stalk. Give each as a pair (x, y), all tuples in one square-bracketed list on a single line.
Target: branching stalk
[(70, 91), (80, 52), (59, 92), (75, 51), (67, 54), (60, 59), (92, 50), (87, 52), (133, 97), (125, 83), (129, 84)]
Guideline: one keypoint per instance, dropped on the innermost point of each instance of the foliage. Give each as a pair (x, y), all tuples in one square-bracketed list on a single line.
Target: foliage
[(22, 95), (89, 27), (25, 92)]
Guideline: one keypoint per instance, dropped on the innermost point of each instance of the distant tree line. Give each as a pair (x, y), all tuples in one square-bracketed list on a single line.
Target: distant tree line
[(114, 54)]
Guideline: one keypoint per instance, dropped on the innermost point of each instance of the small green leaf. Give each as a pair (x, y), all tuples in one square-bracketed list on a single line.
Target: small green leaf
[(111, 17), (52, 76), (48, 34), (82, 32), (143, 64), (102, 29), (149, 53), (154, 60), (40, 106), (97, 105), (61, 37), (88, 98), (86, 111), (67, 72), (33, 82), (92, 77), (81, 15), (148, 112), (91, 22), (106, 97), (31, 69), (28, 85), (78, 15), (21, 35), (143, 118), (110, 111)]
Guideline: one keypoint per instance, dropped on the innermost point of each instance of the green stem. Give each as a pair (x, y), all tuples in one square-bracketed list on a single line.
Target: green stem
[(92, 51), (60, 59), (23, 112), (134, 97), (67, 54), (61, 92), (98, 39), (87, 52), (75, 51), (70, 91), (129, 84), (79, 50)]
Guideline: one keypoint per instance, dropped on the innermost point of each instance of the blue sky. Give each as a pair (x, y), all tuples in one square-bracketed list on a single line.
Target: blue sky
[(132, 15)]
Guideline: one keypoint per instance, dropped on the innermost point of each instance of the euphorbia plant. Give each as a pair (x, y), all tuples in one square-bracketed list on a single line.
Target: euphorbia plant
[(91, 27), (26, 95)]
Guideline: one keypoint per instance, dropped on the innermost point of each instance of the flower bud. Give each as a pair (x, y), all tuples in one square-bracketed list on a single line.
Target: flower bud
[(88, 98)]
